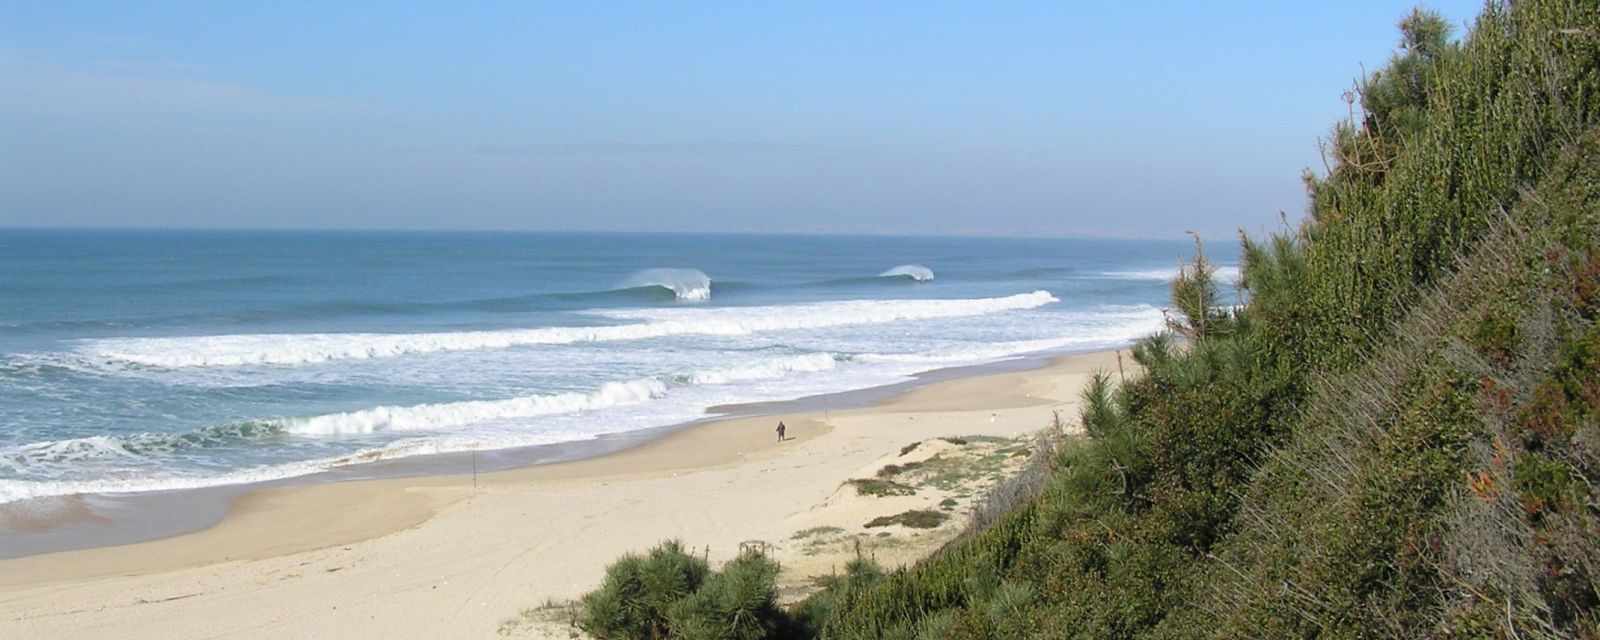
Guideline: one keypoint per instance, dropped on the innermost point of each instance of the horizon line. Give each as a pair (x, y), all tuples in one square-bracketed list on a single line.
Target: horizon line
[(1178, 236)]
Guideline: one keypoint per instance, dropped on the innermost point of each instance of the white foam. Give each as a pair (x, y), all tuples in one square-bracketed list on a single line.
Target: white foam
[(15, 490), (617, 406), (308, 348), (1114, 326), (770, 370), (691, 285), (429, 424), (15, 458), (747, 320), (1226, 273), (914, 271), (447, 415)]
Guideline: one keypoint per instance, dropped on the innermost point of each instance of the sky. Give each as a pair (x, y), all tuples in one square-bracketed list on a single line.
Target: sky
[(1122, 119)]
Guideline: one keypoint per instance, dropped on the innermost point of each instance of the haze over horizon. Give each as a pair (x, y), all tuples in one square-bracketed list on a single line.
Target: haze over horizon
[(831, 118)]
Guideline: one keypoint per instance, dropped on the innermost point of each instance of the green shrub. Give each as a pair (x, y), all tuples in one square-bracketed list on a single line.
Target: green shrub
[(1393, 429), (737, 603), (915, 519), (669, 593), (634, 599), (1397, 433)]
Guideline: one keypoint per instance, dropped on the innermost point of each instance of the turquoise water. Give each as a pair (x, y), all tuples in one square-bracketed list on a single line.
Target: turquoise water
[(137, 361)]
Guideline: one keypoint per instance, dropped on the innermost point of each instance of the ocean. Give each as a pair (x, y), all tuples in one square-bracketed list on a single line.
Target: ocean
[(137, 361)]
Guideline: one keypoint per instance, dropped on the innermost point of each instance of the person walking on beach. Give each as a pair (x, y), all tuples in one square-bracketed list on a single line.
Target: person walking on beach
[(781, 429)]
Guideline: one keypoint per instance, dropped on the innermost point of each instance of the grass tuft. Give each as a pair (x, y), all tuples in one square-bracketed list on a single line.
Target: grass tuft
[(880, 488)]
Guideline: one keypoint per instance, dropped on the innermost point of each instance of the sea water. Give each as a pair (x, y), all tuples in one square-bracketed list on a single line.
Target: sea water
[(136, 361)]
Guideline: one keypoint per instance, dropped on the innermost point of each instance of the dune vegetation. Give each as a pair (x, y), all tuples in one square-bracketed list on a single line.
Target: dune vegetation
[(1396, 433)]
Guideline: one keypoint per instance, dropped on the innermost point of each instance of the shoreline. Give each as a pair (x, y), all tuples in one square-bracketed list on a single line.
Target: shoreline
[(379, 554), (89, 521)]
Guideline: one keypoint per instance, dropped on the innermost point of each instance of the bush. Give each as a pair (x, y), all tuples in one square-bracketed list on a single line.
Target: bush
[(1397, 434), (669, 593), (915, 519), (1389, 438), (634, 598), (737, 603)]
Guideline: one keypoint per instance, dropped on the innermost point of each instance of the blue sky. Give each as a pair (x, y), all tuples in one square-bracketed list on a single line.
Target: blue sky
[(1109, 119)]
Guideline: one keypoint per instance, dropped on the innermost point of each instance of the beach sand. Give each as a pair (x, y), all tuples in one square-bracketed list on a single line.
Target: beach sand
[(447, 557)]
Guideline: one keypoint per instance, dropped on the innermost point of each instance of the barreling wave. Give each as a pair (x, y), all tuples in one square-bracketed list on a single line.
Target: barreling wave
[(900, 275), (690, 285), (915, 272), (301, 349)]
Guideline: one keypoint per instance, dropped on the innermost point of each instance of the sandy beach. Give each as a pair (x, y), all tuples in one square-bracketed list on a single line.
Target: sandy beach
[(450, 557)]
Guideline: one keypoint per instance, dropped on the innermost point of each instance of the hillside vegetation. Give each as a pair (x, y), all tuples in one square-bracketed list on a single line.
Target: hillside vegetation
[(1397, 434)]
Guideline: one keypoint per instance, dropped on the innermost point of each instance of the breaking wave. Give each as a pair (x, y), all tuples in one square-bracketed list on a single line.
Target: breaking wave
[(300, 349), (141, 454), (915, 272), (135, 446), (439, 427), (690, 285), (448, 415), (439, 416)]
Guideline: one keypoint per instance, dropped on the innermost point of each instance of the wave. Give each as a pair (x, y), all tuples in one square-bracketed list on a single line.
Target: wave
[(810, 363), (646, 292), (143, 453), (447, 415), (422, 417), (17, 490), (301, 349), (1108, 327), (578, 300), (436, 427), (1225, 273), (690, 285), (915, 272), (140, 445)]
